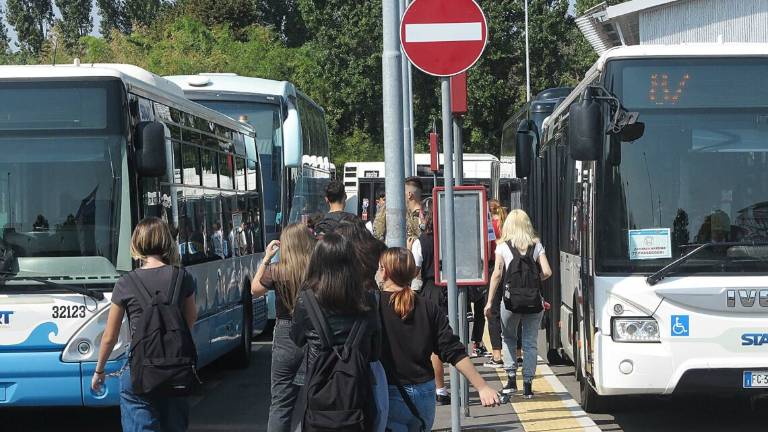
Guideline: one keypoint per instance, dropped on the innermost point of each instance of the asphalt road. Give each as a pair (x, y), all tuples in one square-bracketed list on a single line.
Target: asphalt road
[(693, 413)]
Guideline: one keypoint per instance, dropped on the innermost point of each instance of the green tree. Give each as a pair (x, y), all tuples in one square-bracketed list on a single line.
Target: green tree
[(75, 20), (284, 16), (5, 41), (31, 19), (237, 14), (584, 5), (113, 17)]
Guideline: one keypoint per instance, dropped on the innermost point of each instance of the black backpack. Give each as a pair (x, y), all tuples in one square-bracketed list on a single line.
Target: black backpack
[(163, 357), (339, 386), (522, 282)]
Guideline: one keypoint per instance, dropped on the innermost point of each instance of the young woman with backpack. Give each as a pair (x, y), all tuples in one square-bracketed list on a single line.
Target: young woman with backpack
[(368, 249), (285, 278), (147, 404), (413, 328), (336, 319), (522, 265)]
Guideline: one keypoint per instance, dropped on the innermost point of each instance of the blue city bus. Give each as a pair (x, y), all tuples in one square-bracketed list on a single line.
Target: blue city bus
[(291, 138), (79, 167)]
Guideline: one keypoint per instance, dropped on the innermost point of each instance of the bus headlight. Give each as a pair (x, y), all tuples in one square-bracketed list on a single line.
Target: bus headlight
[(84, 345), (635, 330)]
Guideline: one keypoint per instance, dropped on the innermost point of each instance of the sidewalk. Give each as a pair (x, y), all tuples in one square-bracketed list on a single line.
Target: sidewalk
[(551, 410)]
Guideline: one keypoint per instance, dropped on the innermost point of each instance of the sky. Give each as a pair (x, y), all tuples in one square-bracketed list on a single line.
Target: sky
[(96, 20)]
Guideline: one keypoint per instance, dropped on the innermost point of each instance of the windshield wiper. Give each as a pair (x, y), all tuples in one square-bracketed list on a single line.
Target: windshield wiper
[(5, 276), (669, 268)]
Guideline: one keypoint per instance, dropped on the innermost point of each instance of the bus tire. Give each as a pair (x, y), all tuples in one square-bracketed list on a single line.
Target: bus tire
[(240, 357), (591, 402)]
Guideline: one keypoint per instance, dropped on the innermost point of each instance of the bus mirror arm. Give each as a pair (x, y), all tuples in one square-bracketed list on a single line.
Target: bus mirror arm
[(623, 123)]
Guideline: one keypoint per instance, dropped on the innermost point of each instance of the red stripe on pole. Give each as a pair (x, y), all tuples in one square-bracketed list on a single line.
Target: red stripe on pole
[(434, 163)]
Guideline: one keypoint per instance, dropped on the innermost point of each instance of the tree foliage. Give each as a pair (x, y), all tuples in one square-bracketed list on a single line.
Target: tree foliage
[(75, 21), (123, 15), (31, 19), (5, 41)]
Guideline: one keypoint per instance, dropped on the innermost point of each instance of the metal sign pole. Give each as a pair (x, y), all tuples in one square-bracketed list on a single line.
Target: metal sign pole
[(393, 126), (404, 67), (463, 322), (450, 252)]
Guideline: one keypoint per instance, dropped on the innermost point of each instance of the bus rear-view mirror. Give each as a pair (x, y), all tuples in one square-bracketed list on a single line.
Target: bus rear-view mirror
[(523, 154), (150, 149), (632, 132), (585, 130)]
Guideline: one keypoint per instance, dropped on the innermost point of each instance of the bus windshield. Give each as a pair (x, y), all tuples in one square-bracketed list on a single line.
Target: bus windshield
[(698, 175), (61, 165)]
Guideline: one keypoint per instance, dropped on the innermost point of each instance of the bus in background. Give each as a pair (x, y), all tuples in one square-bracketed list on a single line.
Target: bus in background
[(533, 196), (85, 153), (291, 137), (365, 180), (662, 229)]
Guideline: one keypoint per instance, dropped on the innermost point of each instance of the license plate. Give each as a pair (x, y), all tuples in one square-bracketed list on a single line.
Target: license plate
[(753, 379)]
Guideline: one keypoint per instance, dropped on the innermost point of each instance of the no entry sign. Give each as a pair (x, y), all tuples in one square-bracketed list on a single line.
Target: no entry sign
[(443, 37)]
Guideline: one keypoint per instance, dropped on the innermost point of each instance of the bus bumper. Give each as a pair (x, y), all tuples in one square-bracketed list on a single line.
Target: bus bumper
[(42, 379)]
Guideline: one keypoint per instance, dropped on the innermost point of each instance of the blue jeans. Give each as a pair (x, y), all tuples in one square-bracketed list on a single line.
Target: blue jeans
[(531, 324), (286, 360), (150, 413), (380, 396), (400, 417)]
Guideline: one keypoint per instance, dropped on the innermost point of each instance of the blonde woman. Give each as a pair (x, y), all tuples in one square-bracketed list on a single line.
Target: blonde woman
[(498, 216), (285, 278), (157, 251), (518, 241)]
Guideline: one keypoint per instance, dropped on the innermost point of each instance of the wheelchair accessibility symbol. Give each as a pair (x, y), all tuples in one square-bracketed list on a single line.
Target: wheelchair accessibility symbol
[(680, 325)]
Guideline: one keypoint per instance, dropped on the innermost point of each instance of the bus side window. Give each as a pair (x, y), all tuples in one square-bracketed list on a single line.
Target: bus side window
[(193, 232)]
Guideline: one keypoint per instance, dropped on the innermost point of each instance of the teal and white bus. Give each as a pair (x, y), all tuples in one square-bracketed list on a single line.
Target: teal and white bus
[(291, 138), (85, 153)]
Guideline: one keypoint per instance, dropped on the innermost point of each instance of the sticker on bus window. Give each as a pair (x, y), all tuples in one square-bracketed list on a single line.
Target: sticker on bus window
[(655, 243)]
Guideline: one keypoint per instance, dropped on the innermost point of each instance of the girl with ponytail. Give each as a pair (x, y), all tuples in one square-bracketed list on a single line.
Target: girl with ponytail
[(413, 328)]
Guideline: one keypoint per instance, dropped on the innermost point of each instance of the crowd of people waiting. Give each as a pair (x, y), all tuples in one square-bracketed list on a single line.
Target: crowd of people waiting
[(362, 331)]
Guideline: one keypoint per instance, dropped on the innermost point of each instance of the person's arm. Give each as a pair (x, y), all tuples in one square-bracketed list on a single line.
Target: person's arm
[(498, 273), (488, 396), (546, 270), (258, 289), (189, 311), (108, 341)]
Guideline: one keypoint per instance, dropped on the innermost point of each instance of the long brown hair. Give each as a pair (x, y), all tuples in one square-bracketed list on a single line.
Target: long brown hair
[(296, 245), (496, 209), (334, 276), (152, 237), (400, 267)]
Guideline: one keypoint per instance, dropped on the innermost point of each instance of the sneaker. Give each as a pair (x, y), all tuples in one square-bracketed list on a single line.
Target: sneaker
[(481, 351), (519, 360), (527, 390), (488, 354), (510, 387), (443, 399), (470, 317), (477, 350), (496, 364)]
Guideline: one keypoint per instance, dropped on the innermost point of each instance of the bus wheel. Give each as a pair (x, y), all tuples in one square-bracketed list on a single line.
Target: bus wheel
[(241, 357), (591, 402)]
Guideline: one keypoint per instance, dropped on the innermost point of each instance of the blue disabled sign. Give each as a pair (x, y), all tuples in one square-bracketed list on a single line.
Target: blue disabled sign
[(680, 325)]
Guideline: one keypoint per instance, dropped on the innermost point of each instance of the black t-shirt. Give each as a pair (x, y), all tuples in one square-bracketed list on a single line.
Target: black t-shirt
[(331, 221), (268, 281), (124, 294), (410, 342)]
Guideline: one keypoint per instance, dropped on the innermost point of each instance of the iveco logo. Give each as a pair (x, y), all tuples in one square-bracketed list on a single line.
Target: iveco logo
[(747, 297)]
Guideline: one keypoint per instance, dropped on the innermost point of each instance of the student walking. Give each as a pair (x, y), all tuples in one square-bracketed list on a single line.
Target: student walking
[(148, 404), (368, 249), (336, 198), (522, 265), (336, 319), (498, 216), (285, 278), (413, 328)]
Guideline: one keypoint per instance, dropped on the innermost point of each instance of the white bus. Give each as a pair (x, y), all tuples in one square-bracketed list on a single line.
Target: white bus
[(478, 167), (661, 236), (85, 153), (291, 137)]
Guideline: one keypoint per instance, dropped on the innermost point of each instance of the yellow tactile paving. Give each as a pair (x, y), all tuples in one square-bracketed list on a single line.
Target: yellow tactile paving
[(547, 411)]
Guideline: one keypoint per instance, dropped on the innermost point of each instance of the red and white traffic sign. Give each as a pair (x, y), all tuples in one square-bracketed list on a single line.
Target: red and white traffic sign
[(443, 37)]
